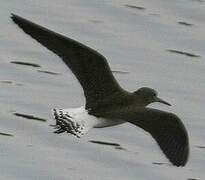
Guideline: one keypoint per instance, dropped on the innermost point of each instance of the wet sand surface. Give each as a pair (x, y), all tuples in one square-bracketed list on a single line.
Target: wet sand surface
[(155, 43)]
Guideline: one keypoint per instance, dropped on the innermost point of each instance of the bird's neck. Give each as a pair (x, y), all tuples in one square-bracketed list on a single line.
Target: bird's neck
[(140, 101)]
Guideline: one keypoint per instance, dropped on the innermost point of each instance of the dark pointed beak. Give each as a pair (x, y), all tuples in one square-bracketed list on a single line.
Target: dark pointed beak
[(162, 101)]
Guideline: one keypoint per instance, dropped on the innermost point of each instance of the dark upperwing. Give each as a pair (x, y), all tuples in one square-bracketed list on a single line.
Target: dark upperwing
[(166, 128), (90, 68)]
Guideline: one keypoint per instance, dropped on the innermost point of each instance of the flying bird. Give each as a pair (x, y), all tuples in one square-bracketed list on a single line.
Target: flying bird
[(107, 103)]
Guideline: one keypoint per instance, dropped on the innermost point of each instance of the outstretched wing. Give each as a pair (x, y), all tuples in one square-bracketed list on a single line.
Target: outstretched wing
[(169, 132), (89, 67), (166, 128)]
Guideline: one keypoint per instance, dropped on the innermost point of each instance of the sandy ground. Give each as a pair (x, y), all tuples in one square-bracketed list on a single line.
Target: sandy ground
[(160, 44)]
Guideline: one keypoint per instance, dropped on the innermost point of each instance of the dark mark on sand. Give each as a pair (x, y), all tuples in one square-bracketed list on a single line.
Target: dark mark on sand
[(29, 117), (105, 143), (134, 7), (185, 23), (201, 147), (158, 163), (119, 148), (6, 134), (25, 63), (120, 72), (11, 82), (49, 72), (116, 145), (183, 53), (7, 82)]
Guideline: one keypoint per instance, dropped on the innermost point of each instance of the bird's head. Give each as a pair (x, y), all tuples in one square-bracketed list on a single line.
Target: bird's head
[(149, 95)]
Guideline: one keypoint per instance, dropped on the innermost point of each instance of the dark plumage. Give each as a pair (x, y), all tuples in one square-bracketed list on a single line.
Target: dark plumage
[(104, 96)]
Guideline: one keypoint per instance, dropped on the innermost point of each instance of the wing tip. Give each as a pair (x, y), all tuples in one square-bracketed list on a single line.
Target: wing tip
[(15, 18), (180, 158)]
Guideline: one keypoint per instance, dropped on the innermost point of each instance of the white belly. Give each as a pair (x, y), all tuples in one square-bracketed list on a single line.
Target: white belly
[(102, 122)]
